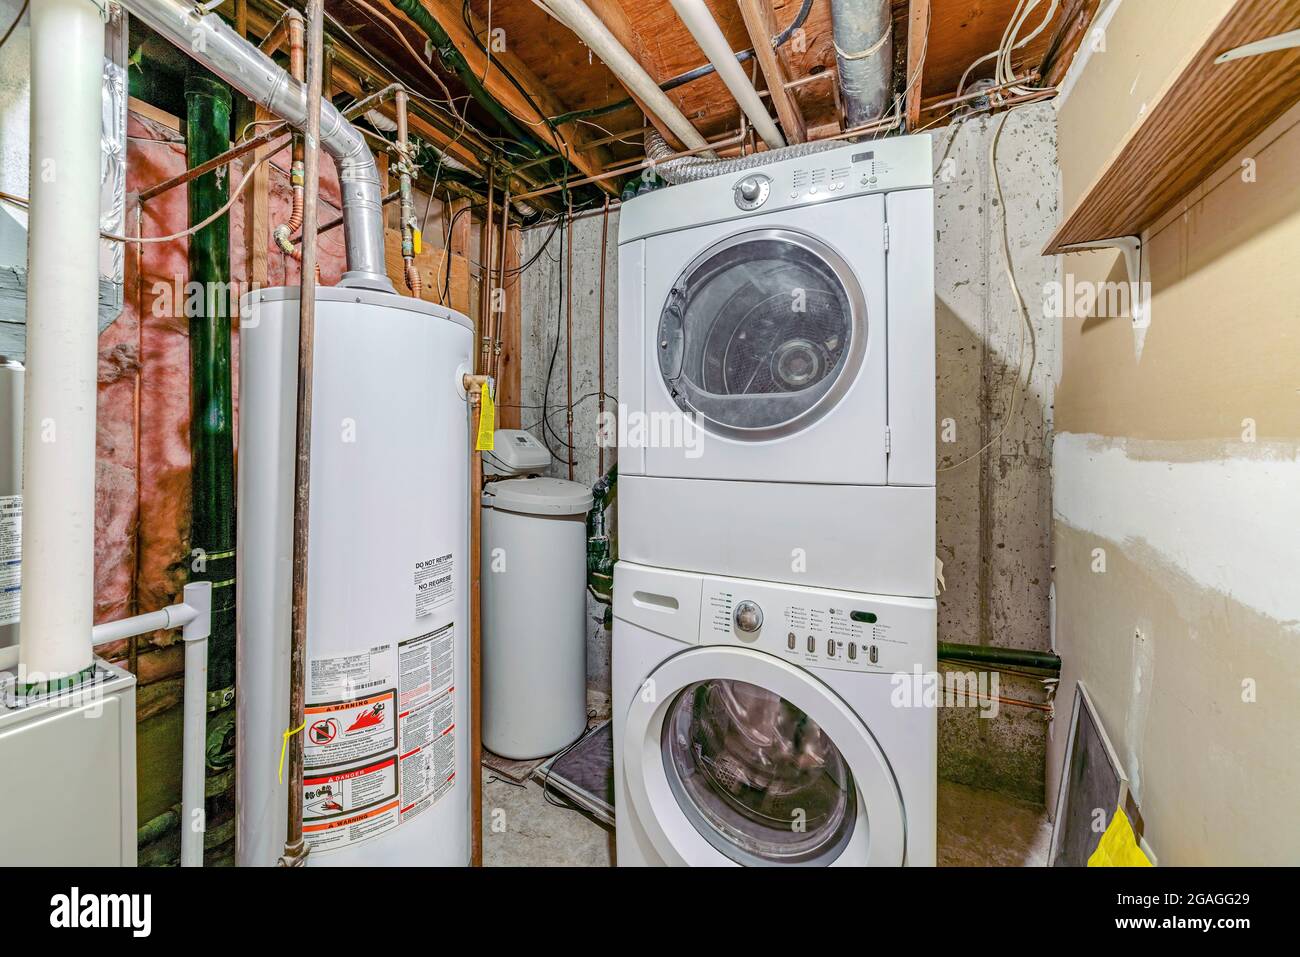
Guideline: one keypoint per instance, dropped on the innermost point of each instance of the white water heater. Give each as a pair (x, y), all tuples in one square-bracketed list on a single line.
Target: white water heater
[(385, 741)]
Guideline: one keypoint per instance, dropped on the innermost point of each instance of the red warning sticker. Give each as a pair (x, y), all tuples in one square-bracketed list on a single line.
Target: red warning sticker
[(344, 732)]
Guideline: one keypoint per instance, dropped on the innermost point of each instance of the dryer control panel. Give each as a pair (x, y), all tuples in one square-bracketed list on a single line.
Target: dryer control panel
[(820, 628), (854, 169)]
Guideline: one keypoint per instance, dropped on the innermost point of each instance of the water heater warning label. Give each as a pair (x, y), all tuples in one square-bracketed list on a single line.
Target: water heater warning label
[(435, 584), (11, 556), (341, 732), (363, 794), (428, 719)]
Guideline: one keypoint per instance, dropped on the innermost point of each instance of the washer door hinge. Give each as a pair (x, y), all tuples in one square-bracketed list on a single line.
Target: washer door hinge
[(886, 237)]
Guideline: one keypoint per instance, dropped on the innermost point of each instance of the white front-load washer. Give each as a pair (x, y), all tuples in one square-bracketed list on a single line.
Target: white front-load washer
[(765, 724), (776, 372)]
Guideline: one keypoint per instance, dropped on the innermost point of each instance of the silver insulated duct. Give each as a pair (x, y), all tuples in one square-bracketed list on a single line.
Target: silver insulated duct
[(208, 39), (864, 53)]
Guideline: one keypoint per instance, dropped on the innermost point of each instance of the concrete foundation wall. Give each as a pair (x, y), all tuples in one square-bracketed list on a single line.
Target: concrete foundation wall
[(994, 508), (543, 324)]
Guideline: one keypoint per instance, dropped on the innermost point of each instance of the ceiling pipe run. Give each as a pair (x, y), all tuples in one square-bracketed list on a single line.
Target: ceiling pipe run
[(209, 40), (697, 18), (864, 53), (577, 16)]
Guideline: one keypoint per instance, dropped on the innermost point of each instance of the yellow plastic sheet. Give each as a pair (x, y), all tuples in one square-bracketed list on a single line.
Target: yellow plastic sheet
[(1118, 846), (486, 421)]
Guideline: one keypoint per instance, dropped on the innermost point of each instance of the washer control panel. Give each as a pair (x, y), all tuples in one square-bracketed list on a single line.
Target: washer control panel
[(819, 627), (752, 191)]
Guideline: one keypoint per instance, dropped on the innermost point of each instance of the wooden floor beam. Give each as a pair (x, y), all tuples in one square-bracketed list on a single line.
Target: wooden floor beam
[(761, 24)]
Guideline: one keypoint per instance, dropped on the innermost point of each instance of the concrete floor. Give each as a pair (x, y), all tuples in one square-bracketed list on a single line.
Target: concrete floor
[(976, 828)]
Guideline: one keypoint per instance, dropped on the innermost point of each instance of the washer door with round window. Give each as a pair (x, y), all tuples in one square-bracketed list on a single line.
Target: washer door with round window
[(737, 757), (770, 338)]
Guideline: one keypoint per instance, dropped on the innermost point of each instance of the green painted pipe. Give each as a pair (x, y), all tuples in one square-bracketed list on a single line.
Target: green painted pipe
[(212, 483), (212, 480), (452, 57), (1009, 657)]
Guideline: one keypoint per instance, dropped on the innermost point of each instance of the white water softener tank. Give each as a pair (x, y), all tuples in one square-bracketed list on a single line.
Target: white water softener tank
[(385, 747), (534, 600)]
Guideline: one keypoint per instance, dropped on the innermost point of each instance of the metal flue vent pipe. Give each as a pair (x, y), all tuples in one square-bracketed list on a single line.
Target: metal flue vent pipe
[(58, 556), (864, 53), (209, 40)]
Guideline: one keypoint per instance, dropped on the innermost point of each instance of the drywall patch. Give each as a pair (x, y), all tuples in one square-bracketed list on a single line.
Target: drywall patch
[(1228, 522)]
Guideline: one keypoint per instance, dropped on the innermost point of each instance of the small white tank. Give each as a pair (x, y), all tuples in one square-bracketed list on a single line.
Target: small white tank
[(534, 601), (387, 758)]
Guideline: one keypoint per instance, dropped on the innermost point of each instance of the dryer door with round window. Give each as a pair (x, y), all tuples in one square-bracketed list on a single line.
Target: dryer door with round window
[(762, 334)]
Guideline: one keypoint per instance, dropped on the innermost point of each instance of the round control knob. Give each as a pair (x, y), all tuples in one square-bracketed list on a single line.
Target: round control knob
[(748, 617), (751, 192)]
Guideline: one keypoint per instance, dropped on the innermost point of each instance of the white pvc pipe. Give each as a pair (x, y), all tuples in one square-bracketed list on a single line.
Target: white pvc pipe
[(194, 617), (194, 731), (577, 16), (67, 63), (695, 14)]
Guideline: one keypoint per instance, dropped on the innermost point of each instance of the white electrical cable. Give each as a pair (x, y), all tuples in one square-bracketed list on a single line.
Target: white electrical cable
[(1002, 69), (1026, 329), (248, 178)]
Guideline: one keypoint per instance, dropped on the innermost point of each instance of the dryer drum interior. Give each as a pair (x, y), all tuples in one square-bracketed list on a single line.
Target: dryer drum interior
[(762, 332), (756, 776)]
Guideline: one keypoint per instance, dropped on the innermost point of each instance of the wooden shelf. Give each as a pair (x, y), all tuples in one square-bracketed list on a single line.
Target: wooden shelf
[(1201, 118)]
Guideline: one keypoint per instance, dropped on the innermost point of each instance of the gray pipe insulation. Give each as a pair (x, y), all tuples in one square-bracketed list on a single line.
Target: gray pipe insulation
[(209, 40), (864, 52)]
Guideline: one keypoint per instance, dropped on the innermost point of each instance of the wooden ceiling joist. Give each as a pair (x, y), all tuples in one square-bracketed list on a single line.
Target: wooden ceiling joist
[(761, 24), (498, 85), (616, 20), (918, 30)]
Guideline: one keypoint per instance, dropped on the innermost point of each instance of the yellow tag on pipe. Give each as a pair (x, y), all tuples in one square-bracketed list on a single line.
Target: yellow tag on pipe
[(284, 745), (417, 240), (486, 421)]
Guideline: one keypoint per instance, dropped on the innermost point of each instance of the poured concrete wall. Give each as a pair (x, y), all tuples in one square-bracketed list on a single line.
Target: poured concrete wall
[(543, 320), (1176, 469), (994, 508)]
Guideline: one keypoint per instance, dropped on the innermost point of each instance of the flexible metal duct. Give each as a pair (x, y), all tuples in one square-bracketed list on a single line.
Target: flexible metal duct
[(688, 169), (210, 41), (864, 53)]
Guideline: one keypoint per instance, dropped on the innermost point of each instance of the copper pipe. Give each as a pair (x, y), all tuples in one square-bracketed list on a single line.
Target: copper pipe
[(295, 28), (629, 168), (568, 346), (499, 315), (295, 850), (485, 269), (279, 30), (406, 216), (600, 339), (216, 162), (475, 630)]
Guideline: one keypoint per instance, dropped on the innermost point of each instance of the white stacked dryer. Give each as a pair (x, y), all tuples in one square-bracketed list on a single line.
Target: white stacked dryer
[(777, 505), (776, 372)]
